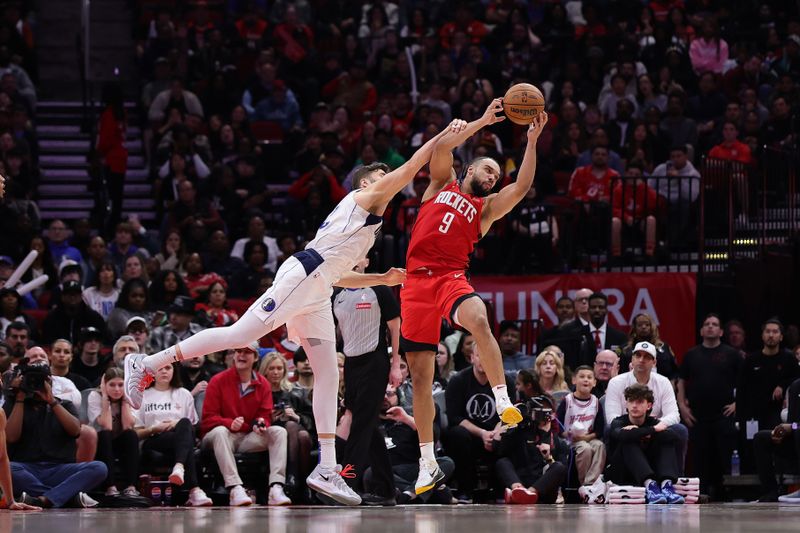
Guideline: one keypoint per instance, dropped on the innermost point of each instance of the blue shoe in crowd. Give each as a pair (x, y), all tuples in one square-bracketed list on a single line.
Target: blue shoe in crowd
[(653, 494), (673, 498)]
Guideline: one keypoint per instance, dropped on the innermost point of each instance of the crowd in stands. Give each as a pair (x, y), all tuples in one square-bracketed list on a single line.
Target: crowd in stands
[(255, 114)]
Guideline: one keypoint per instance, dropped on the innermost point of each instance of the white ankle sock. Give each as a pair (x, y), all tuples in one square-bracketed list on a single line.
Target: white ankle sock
[(327, 452), (426, 451), (501, 397)]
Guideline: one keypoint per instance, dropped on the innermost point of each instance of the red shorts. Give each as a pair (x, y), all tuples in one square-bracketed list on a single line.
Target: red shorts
[(425, 300)]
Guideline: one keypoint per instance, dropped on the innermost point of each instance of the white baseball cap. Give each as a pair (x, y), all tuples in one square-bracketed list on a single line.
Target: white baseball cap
[(645, 347)]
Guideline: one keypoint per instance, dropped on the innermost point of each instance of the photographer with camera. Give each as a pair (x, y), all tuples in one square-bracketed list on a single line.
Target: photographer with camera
[(41, 433), (532, 456)]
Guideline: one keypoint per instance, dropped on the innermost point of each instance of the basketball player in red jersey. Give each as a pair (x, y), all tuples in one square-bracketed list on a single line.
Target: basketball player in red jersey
[(453, 217)]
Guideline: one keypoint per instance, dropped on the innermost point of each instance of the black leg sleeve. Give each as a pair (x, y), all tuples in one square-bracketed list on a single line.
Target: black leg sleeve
[(547, 485)]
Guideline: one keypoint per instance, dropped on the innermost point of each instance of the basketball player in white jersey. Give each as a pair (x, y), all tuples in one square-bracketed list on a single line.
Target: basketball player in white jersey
[(301, 298)]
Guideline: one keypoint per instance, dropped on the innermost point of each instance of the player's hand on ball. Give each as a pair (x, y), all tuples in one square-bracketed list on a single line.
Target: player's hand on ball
[(490, 116), (537, 126), (394, 276)]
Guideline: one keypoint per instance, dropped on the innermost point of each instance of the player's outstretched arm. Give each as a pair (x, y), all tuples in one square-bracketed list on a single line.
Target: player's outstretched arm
[(498, 205), (356, 280), (442, 158), (378, 194)]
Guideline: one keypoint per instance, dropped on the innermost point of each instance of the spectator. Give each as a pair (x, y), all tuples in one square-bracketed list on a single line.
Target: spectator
[(764, 378), (709, 52), (59, 245), (606, 366), (706, 399), (18, 336), (528, 385), (11, 310), (256, 231), (217, 258), (550, 369), (215, 311), (510, 344), (165, 423), (280, 107), (137, 328), (735, 336), (644, 329), (665, 405), (247, 283), (179, 326), (112, 130), (114, 419), (173, 251), (592, 183), (90, 363), (678, 181), (634, 206), (167, 286), (63, 388), (635, 458), (102, 296), (5, 473), (125, 345), (444, 364), (536, 234), (292, 412), (122, 246), (581, 417), (473, 422), (41, 434), (610, 105), (71, 316), (779, 446), (60, 361), (95, 256), (531, 464), (198, 281), (565, 310), (133, 301), (23, 82), (682, 131), (731, 149), (600, 335), (237, 416), (176, 97), (353, 90)]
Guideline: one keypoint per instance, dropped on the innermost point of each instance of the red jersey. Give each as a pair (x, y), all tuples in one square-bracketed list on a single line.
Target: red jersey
[(445, 232)]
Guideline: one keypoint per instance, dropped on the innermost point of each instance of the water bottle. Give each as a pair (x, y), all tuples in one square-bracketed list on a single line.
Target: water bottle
[(735, 470)]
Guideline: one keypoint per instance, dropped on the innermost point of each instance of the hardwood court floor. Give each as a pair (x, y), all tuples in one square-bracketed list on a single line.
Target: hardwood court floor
[(729, 518)]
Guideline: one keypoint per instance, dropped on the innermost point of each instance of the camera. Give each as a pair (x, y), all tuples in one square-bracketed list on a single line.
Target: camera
[(280, 406), (538, 410), (33, 377)]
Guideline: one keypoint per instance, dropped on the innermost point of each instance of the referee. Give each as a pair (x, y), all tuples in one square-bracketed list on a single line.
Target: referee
[(364, 315)]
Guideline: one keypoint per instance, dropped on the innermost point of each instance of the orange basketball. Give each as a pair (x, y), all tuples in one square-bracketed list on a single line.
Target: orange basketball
[(522, 102)]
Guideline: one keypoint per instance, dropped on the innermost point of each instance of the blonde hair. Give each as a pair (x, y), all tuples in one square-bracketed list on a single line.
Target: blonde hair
[(267, 360), (559, 383)]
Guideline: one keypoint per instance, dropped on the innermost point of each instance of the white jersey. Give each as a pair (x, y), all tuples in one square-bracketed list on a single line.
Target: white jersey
[(580, 415), (345, 237)]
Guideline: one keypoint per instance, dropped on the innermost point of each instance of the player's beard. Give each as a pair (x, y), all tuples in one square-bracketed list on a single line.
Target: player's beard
[(477, 188)]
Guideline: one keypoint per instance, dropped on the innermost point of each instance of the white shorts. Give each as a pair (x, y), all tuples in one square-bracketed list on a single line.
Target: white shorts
[(300, 297)]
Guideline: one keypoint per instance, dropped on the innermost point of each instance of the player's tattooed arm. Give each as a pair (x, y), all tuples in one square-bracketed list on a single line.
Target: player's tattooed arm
[(356, 280)]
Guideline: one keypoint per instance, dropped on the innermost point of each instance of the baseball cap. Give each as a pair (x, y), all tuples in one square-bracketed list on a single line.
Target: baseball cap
[(133, 320), (252, 346), (645, 347), (90, 332), (6, 259), (71, 286), (182, 304)]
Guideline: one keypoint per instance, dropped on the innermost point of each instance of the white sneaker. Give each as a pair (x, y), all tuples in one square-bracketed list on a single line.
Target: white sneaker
[(137, 378), (792, 497), (277, 496), (112, 491), (198, 498), (429, 476), (594, 494), (176, 477), (130, 491), (239, 497), (85, 501), (328, 481)]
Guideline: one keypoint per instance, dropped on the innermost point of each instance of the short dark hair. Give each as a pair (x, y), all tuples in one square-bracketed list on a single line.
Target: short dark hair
[(773, 320), (18, 325), (567, 298), (364, 170), (712, 315), (731, 323), (678, 148), (598, 296), (637, 391), (508, 324), (300, 355), (583, 367), (596, 146)]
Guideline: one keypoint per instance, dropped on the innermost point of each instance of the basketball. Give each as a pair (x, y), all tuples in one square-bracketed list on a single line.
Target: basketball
[(522, 102)]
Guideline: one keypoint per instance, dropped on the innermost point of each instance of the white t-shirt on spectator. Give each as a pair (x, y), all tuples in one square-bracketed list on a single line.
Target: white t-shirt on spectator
[(95, 407), (665, 406), (272, 248), (64, 389), (102, 303), (158, 406)]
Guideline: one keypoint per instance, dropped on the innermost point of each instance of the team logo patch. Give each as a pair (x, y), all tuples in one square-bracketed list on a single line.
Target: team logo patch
[(268, 305)]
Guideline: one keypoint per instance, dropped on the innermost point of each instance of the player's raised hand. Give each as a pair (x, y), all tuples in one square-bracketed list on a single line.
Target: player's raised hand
[(394, 276), (537, 126), (490, 116), (457, 126)]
